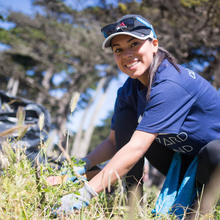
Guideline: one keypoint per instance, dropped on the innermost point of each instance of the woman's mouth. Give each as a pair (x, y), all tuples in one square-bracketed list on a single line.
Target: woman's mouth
[(131, 65)]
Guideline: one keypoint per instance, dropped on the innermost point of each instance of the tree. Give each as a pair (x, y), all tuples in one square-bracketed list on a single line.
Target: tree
[(190, 30), (46, 45)]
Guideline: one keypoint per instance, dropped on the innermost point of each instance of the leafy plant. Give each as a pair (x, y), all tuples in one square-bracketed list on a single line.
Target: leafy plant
[(25, 194)]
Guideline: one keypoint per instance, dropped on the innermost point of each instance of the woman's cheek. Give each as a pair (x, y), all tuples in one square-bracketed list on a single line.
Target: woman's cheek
[(117, 61)]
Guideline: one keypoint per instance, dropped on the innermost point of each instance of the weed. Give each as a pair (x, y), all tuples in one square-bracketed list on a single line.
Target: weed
[(25, 195)]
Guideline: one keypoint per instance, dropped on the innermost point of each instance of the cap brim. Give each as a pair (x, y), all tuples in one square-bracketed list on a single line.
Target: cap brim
[(107, 41)]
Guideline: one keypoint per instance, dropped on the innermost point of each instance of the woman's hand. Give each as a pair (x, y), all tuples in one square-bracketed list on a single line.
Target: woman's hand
[(77, 201), (68, 175)]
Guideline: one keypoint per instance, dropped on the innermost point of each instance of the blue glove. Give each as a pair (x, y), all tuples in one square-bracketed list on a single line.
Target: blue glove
[(78, 170), (73, 201), (74, 174)]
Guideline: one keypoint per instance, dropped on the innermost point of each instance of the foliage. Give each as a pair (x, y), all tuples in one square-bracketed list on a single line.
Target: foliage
[(25, 194), (191, 3), (52, 46)]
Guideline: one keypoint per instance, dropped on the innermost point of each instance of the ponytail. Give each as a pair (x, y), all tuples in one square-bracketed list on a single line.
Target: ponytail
[(157, 60)]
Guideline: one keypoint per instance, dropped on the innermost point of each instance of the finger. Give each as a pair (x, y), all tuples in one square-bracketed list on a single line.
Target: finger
[(54, 180)]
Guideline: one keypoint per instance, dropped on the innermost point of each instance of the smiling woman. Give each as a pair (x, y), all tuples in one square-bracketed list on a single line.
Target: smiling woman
[(161, 109)]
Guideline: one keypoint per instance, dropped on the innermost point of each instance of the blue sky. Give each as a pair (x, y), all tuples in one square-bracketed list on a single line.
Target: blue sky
[(18, 5), (26, 7)]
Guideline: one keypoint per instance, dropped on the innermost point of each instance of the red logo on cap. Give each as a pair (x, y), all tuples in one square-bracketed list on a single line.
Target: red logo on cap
[(122, 24)]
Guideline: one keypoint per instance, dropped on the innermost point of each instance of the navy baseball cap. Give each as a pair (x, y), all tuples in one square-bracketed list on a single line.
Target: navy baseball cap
[(132, 25)]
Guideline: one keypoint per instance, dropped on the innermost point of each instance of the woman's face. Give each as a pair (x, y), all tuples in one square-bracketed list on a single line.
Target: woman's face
[(134, 56)]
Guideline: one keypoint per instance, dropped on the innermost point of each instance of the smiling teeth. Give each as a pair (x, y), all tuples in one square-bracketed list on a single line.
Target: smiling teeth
[(132, 64)]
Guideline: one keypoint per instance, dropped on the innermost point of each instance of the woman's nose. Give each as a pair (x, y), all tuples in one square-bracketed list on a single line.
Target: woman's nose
[(127, 53)]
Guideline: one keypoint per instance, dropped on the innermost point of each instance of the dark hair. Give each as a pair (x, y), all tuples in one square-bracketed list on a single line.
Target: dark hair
[(157, 60)]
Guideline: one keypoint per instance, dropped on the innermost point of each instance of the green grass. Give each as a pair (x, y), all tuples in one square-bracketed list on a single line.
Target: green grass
[(24, 194)]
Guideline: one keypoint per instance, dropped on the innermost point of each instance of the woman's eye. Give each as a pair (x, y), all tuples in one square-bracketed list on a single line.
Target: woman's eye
[(118, 50), (134, 44)]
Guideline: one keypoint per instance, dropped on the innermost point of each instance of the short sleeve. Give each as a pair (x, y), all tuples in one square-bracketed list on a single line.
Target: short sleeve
[(126, 99), (119, 106), (167, 109)]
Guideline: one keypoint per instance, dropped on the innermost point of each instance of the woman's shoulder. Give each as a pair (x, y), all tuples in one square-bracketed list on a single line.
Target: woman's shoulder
[(128, 92), (129, 85), (167, 71), (184, 78)]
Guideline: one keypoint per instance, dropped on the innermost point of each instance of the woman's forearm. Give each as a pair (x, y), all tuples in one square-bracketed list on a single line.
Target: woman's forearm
[(122, 161), (103, 151)]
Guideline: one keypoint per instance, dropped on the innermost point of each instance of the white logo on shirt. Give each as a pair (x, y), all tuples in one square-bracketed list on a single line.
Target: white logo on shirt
[(173, 140), (191, 74), (139, 119)]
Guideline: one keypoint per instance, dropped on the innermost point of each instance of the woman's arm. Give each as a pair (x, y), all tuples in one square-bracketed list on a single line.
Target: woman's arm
[(103, 151), (123, 160)]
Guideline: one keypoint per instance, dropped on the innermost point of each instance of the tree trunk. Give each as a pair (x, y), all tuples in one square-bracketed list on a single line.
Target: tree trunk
[(81, 142), (78, 137), (88, 133), (12, 86), (45, 84)]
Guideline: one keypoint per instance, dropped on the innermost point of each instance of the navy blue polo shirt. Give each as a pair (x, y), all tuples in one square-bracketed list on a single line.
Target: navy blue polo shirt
[(184, 108)]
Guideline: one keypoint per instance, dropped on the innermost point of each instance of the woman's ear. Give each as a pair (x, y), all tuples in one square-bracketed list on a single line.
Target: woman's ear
[(155, 45), (155, 42)]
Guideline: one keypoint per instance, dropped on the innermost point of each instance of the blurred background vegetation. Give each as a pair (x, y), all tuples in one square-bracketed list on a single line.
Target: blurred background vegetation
[(56, 51)]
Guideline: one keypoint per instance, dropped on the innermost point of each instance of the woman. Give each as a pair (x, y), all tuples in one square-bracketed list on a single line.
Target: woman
[(162, 108)]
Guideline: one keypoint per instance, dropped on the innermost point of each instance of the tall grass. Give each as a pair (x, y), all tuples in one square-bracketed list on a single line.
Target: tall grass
[(25, 194)]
